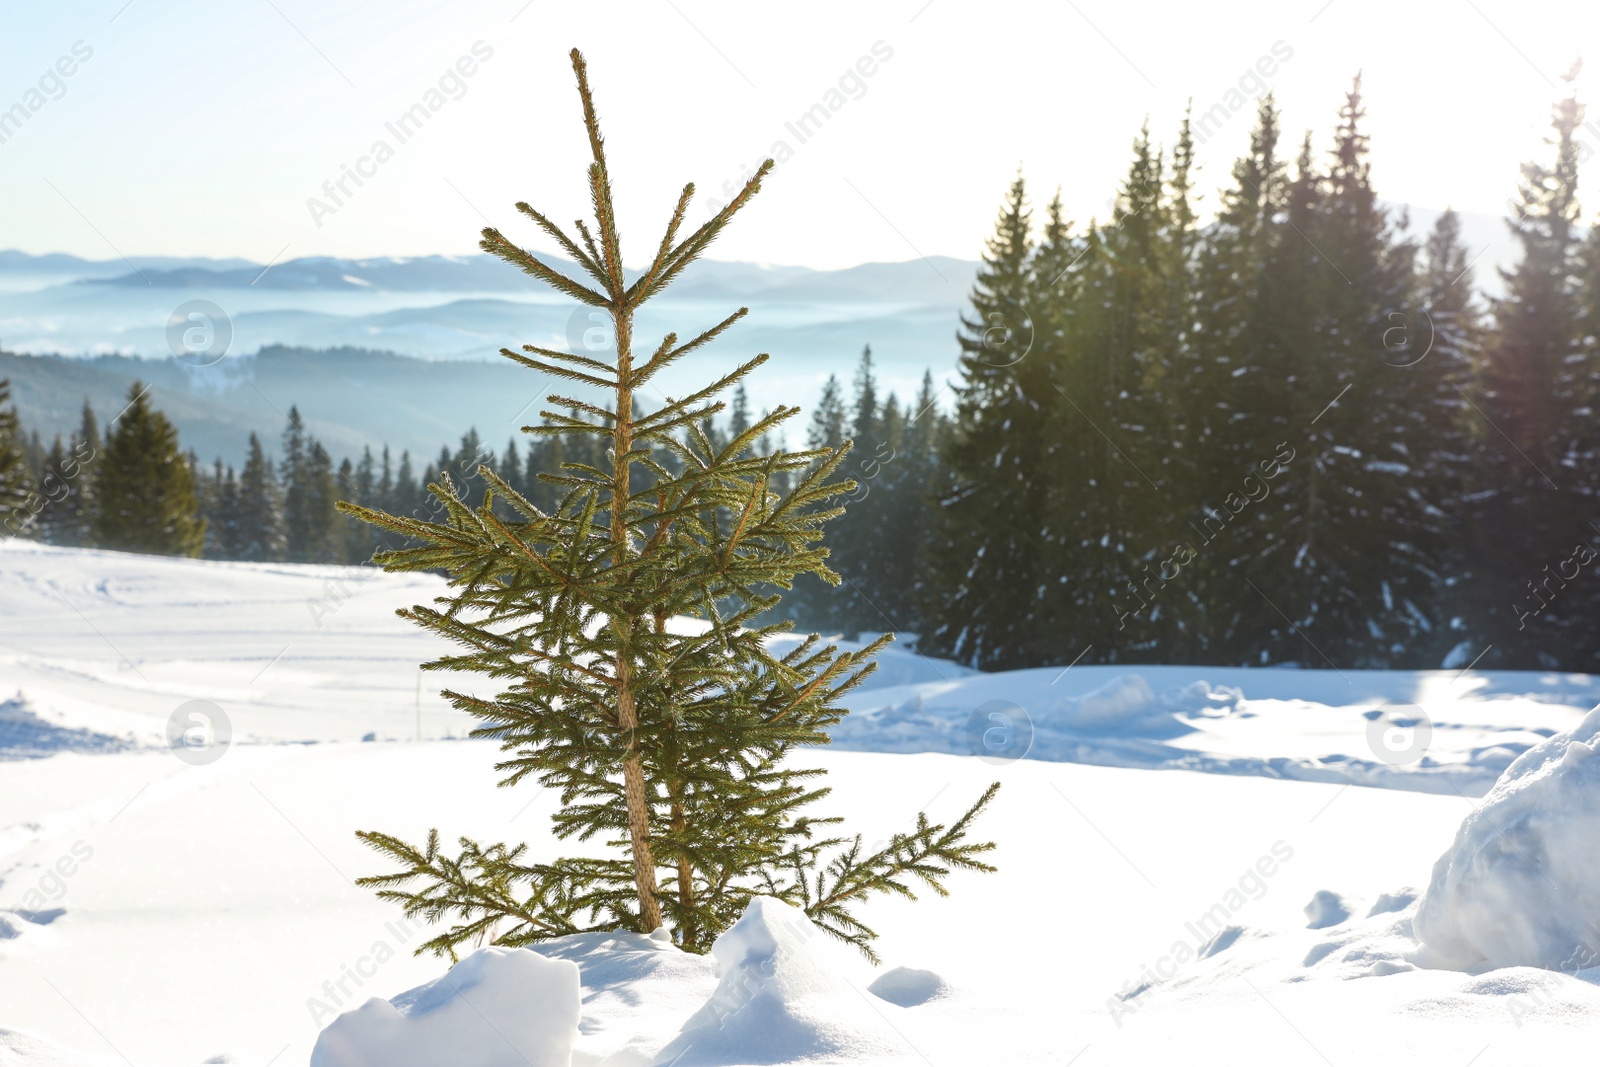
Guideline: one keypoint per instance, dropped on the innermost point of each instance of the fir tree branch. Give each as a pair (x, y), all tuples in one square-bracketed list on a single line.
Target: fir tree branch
[(645, 284), (494, 243), (579, 256), (927, 855), (693, 245), (667, 354), (558, 370)]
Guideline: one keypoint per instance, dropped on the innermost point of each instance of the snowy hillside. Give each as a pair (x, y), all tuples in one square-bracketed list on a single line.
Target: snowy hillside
[(165, 911)]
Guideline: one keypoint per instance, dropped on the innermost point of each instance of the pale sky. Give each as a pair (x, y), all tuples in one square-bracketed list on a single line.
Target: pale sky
[(203, 128)]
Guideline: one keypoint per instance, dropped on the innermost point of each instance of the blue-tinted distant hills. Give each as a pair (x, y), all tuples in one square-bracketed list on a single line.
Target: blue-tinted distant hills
[(366, 347), (404, 350)]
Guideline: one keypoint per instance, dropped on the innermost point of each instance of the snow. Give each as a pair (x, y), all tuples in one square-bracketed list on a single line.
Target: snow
[(783, 996), (1448, 732), (908, 986), (1520, 885), (1175, 852), (499, 1007), (1327, 908)]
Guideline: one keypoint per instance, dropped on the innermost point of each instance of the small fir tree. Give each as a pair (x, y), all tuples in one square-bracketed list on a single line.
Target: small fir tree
[(669, 743), (147, 500)]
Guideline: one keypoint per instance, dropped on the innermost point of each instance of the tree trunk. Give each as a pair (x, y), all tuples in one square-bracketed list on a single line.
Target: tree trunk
[(644, 864), (690, 928)]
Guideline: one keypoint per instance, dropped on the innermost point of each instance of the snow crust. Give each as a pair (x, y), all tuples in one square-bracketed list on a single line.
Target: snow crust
[(499, 1007), (1520, 885)]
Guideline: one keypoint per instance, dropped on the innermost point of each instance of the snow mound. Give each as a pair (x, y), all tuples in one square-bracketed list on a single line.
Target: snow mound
[(783, 996), (908, 987), (1520, 885), (1326, 909), (499, 1007)]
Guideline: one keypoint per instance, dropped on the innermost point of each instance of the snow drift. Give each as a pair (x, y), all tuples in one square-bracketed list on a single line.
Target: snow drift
[(499, 1007), (1520, 886), (783, 995)]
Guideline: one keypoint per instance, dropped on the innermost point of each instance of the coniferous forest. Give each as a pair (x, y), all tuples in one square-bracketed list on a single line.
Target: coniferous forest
[(1261, 423)]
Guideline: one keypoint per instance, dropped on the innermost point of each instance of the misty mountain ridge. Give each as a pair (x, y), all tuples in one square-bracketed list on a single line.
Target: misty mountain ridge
[(351, 341)]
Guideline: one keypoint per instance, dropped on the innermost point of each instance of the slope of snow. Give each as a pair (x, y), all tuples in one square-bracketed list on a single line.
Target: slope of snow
[(499, 1007), (110, 645), (783, 996), (1451, 732), (163, 912), (1520, 885)]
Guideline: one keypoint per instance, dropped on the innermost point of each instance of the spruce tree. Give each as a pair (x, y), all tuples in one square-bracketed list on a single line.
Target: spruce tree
[(406, 493), (225, 534), (816, 603), (16, 480), (910, 515), (854, 538), (1453, 452), (147, 500), (349, 536), (1536, 390), (1109, 503), (77, 523), (668, 745), (54, 490), (1343, 556), (361, 481), (890, 551), (986, 558), (384, 493), (510, 470), (261, 534), (828, 419), (739, 413), (309, 496), (292, 472)]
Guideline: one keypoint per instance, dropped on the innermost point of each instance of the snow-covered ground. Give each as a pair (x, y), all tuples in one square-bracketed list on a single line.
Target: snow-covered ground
[(1159, 846)]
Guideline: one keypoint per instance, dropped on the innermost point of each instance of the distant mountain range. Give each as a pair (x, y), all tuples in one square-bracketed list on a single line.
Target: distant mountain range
[(350, 398), (404, 350)]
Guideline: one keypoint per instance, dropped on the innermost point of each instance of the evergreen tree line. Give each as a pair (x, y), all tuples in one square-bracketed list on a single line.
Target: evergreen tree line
[(1292, 435), (131, 489), (80, 492), (282, 508)]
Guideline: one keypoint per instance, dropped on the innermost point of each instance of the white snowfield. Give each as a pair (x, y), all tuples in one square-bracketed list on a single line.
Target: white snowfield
[(183, 770)]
